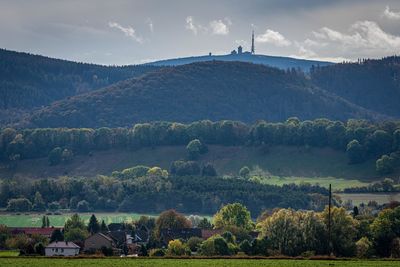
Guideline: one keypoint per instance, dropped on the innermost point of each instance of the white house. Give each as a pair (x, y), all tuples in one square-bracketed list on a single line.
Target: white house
[(61, 248)]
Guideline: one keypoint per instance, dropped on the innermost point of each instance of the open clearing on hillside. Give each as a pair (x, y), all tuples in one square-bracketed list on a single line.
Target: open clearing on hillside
[(358, 198), (44, 262), (35, 219), (281, 161)]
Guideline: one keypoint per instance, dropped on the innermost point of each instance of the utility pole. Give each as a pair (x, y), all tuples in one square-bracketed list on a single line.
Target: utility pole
[(329, 221)]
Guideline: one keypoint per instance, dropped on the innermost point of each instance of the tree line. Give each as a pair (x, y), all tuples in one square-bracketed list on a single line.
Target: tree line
[(362, 140), (146, 190)]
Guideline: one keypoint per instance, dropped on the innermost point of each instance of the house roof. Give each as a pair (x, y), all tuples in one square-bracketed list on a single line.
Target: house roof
[(34, 230), (62, 244), (103, 236), (118, 236), (207, 233)]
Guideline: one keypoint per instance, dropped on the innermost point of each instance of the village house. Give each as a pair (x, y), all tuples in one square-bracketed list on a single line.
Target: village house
[(98, 241), (29, 231), (61, 248)]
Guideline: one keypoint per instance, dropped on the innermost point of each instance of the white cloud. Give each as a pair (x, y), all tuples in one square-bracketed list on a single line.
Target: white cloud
[(391, 14), (128, 31), (190, 25), (151, 25), (218, 27), (365, 35), (273, 37)]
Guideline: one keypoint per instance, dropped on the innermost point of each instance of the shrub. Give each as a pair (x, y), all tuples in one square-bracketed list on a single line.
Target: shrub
[(177, 248), (364, 247), (194, 243), (157, 252)]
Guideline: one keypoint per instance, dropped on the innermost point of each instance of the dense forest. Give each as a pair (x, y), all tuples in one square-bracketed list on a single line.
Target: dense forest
[(360, 139), (207, 90), (28, 81), (372, 84), (70, 94)]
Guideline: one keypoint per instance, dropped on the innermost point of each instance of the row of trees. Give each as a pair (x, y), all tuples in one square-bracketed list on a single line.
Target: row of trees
[(280, 232), (145, 189), (292, 233), (361, 139)]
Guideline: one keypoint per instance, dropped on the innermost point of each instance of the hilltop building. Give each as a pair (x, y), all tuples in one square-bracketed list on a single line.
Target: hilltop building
[(240, 48)]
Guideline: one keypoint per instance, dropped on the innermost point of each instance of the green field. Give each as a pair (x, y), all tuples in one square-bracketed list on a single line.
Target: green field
[(9, 253), (35, 219), (366, 197), (337, 183), (282, 161), (44, 262)]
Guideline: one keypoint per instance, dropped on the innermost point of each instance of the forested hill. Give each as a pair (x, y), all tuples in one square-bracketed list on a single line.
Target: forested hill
[(272, 61), (28, 81), (372, 84), (207, 90)]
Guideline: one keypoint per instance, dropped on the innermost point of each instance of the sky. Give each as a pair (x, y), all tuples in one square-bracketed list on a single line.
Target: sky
[(121, 32)]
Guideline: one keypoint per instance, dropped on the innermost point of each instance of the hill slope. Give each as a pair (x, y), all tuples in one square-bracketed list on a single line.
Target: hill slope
[(212, 90), (28, 81), (272, 61), (372, 84)]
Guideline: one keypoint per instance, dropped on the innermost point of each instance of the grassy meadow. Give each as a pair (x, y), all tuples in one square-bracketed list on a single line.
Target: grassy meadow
[(278, 161), (35, 219), (337, 183), (358, 198), (63, 262)]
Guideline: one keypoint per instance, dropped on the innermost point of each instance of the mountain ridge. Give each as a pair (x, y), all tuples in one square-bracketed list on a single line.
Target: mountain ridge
[(206, 90)]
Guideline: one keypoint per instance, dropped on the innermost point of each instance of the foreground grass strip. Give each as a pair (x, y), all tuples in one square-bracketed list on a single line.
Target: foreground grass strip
[(45, 262)]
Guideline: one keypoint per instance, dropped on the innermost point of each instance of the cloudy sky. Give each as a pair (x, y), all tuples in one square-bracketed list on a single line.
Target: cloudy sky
[(125, 32)]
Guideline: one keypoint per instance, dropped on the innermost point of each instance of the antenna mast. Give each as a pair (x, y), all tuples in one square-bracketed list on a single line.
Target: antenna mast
[(252, 43)]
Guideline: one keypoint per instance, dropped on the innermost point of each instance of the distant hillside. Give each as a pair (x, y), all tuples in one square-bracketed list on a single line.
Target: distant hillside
[(28, 81), (208, 90), (272, 61), (372, 84)]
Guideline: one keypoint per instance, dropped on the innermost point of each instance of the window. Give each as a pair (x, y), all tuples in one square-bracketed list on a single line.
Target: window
[(62, 250)]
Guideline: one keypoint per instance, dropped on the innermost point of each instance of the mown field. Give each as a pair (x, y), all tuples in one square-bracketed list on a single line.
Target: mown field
[(44, 262), (35, 219)]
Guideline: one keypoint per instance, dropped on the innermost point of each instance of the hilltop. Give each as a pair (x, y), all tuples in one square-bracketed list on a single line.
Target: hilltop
[(272, 61), (213, 90)]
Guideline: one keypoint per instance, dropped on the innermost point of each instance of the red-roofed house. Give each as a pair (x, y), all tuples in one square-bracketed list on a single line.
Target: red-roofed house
[(33, 230)]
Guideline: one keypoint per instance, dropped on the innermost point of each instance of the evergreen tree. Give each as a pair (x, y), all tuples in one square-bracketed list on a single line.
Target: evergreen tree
[(93, 226), (103, 227)]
